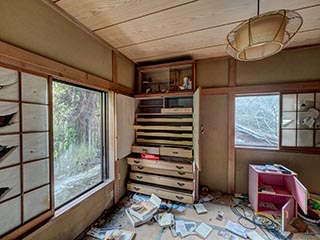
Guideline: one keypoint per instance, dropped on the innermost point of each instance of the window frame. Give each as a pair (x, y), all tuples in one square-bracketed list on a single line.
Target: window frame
[(258, 147), (105, 166), (301, 149)]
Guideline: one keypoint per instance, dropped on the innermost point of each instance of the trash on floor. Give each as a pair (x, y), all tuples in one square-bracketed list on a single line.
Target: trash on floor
[(145, 209), (180, 207), (185, 228), (165, 219), (200, 208), (100, 233), (119, 235), (220, 215), (203, 230)]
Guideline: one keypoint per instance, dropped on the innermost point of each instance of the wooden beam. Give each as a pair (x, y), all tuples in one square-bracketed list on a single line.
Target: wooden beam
[(231, 148), (266, 88), (114, 67), (24, 60), (232, 74)]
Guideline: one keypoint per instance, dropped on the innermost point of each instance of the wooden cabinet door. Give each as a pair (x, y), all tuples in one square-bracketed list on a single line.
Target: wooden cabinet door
[(287, 214), (196, 127), (299, 192), (125, 107)]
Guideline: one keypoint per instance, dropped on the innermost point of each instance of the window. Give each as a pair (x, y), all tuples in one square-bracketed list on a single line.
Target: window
[(301, 120), (257, 121), (77, 140)]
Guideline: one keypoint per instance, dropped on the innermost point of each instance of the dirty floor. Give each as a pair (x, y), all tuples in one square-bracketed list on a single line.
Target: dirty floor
[(152, 230)]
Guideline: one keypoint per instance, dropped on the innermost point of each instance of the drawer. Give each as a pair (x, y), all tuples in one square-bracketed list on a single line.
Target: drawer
[(162, 180), (171, 173), (176, 152), (145, 149), (161, 192), (160, 164)]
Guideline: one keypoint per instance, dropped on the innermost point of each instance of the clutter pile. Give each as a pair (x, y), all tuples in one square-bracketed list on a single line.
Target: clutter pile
[(171, 218)]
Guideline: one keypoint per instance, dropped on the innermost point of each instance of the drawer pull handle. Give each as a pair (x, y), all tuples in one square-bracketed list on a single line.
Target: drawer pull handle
[(136, 188), (180, 184), (139, 177), (139, 167), (181, 173), (179, 167), (179, 197), (144, 150), (175, 152), (136, 161)]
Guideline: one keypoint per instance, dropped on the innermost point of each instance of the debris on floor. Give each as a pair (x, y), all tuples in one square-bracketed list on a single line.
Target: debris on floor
[(111, 234), (174, 220), (200, 208)]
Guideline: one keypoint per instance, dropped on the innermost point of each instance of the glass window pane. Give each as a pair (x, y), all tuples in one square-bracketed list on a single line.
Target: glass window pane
[(317, 138), (306, 120), (289, 120), (305, 101), (288, 138), (318, 100), (289, 102), (257, 120), (77, 125), (305, 138)]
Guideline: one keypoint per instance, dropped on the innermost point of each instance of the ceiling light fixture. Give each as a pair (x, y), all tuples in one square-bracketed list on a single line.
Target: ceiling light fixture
[(263, 35)]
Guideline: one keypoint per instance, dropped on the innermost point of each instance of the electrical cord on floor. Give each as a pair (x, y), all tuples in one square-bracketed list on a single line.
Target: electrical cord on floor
[(266, 224)]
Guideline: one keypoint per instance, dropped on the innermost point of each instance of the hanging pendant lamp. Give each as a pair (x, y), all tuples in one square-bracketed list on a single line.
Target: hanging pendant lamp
[(263, 35)]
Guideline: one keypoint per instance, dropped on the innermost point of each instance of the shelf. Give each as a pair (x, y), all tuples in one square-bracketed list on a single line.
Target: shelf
[(163, 114), (278, 191), (180, 120), (186, 93), (150, 106), (164, 142), (171, 128), (165, 134)]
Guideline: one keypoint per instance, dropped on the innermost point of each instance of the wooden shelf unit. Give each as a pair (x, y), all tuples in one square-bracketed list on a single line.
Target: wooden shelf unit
[(166, 78), (169, 134)]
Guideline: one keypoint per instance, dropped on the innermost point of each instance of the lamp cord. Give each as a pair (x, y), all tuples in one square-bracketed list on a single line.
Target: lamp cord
[(258, 8)]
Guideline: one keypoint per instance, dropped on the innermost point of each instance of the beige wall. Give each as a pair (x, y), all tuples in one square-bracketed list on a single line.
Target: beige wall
[(34, 26), (289, 66), (212, 73), (125, 71), (70, 224)]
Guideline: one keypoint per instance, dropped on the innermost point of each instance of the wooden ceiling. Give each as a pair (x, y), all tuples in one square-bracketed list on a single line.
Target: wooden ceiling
[(146, 30)]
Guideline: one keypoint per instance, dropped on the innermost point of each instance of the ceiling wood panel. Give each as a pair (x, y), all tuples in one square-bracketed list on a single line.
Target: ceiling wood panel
[(145, 30), (306, 38), (311, 18), (190, 17), (202, 53), (101, 13), (180, 43), (270, 5)]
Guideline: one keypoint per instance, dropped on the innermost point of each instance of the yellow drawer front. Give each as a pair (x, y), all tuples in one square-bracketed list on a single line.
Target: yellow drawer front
[(171, 173), (161, 180), (145, 149), (160, 164), (176, 152), (161, 192)]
